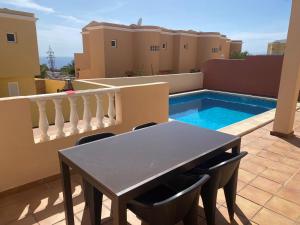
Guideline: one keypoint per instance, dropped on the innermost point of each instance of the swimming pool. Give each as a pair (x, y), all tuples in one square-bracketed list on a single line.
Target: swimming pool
[(215, 110)]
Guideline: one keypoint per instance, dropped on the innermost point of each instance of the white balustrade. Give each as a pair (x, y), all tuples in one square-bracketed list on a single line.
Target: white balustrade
[(87, 115), (59, 118), (99, 112), (43, 120), (61, 130), (111, 108), (74, 118)]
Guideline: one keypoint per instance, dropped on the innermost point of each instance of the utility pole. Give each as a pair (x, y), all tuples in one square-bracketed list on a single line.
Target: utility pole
[(51, 59)]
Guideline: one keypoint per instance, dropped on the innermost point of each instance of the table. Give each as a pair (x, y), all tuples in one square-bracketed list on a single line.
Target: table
[(127, 165)]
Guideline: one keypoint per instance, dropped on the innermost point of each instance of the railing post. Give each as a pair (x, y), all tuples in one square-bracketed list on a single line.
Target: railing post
[(43, 120), (59, 118), (74, 118), (99, 112), (87, 116), (111, 108)]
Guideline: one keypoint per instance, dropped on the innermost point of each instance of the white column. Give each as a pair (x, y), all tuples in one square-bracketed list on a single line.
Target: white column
[(59, 118), (43, 120), (73, 115), (99, 112), (290, 77), (87, 115), (111, 108)]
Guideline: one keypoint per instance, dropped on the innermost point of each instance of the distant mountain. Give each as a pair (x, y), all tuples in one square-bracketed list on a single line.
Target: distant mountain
[(59, 61)]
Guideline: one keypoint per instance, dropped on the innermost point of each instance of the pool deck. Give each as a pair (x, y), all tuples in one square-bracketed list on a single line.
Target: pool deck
[(268, 189)]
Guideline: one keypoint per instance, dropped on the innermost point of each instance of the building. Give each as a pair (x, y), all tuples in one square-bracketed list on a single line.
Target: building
[(277, 47), (19, 59), (113, 50)]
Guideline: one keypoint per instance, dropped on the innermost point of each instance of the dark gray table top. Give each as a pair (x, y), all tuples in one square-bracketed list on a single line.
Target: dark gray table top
[(128, 160)]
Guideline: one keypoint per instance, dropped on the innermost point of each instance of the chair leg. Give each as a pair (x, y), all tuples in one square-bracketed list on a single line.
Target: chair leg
[(192, 217), (230, 194), (209, 199)]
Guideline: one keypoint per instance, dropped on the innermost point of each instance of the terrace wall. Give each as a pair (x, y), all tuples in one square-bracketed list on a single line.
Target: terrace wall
[(177, 82), (256, 75), (22, 161)]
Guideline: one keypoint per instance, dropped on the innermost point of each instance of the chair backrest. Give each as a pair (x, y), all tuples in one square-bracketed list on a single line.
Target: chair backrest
[(144, 126), (224, 170), (176, 207), (93, 137)]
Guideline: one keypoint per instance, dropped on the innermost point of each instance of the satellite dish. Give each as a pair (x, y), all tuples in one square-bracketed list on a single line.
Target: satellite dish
[(139, 23)]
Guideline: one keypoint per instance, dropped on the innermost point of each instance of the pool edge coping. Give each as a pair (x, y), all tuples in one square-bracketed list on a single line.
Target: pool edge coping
[(246, 126)]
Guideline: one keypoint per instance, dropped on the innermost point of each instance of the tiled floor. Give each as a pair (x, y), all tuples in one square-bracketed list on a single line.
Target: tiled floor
[(268, 189)]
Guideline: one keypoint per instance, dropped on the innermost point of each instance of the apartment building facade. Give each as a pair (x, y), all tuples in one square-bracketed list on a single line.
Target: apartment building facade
[(113, 50), (276, 47), (19, 59)]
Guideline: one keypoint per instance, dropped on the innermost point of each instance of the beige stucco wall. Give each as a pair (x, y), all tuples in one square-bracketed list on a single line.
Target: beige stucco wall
[(235, 47), (205, 46), (177, 82), (276, 48), (146, 61), (19, 62), (23, 162), (187, 57), (120, 59), (166, 55)]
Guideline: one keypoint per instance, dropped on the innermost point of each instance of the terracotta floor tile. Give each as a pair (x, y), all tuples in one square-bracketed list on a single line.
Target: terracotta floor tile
[(29, 220), (291, 162), (284, 207), (276, 149), (251, 149), (222, 218), (270, 155), (266, 184), (255, 195), (276, 176), (246, 208), (246, 176), (252, 167), (290, 194), (241, 185), (267, 217)]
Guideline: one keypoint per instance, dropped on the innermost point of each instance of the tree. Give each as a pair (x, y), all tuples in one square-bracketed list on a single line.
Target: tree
[(68, 70), (239, 55), (43, 69)]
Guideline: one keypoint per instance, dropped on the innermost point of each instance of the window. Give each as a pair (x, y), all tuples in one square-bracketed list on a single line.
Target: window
[(114, 43), (220, 48), (186, 46), (164, 45), (13, 89), (154, 48), (11, 37), (215, 50)]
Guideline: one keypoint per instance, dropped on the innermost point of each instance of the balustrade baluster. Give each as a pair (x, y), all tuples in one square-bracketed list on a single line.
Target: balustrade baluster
[(74, 118), (99, 112), (87, 115), (59, 118), (43, 120), (111, 108)]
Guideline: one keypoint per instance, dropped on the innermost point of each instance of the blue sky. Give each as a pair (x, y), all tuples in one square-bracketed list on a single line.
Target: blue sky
[(256, 22)]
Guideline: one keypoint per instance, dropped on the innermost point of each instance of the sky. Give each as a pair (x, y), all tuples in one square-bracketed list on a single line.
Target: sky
[(255, 22)]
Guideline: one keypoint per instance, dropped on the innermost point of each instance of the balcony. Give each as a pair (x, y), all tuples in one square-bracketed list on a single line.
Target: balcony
[(268, 189)]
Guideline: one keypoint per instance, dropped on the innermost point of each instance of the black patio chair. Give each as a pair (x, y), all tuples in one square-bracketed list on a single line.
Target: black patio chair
[(144, 126), (223, 172), (170, 203), (87, 188)]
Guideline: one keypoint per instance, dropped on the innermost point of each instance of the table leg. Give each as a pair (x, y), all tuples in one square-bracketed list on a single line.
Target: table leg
[(94, 202), (67, 193), (119, 212), (237, 149)]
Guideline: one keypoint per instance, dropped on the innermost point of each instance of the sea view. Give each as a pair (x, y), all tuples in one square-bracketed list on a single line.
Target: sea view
[(59, 61)]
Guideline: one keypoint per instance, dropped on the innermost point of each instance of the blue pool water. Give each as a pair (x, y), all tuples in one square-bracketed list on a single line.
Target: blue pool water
[(214, 110)]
